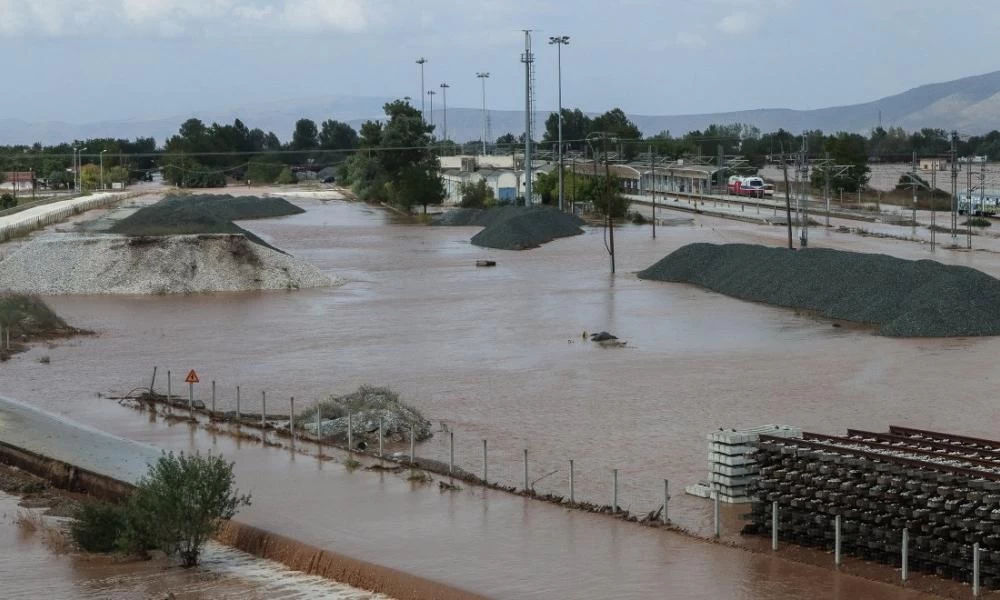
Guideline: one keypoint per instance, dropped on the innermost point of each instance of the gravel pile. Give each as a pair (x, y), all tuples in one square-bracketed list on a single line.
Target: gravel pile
[(902, 298), (106, 264), (514, 228), (195, 214), (365, 408)]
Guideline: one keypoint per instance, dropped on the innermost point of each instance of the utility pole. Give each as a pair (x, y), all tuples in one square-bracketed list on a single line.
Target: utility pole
[(954, 189), (608, 203), (968, 203), (102, 168), (826, 188), (788, 199), (527, 58), (444, 99), (560, 41), (652, 185), (934, 204), (483, 77), (914, 178), (422, 61)]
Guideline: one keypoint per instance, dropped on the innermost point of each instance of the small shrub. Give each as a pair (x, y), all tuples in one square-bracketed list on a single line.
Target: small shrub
[(7, 200), (637, 218), (978, 222), (351, 465), (30, 520), (419, 477), (98, 527), (476, 195), (286, 177)]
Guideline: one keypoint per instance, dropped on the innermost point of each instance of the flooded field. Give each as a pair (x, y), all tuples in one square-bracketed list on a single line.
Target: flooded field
[(497, 354)]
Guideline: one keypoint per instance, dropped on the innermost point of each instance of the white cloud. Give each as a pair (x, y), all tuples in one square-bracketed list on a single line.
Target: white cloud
[(53, 18), (738, 22), (688, 39)]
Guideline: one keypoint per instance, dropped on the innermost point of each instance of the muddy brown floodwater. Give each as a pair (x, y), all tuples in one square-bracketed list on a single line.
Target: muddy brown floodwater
[(497, 354)]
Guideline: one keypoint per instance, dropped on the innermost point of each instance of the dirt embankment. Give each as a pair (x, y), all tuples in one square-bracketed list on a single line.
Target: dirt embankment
[(514, 228), (25, 319), (902, 298)]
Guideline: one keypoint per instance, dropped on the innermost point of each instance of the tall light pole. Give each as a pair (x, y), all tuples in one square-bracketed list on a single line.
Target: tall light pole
[(483, 77), (422, 61), (430, 94), (559, 42), (444, 99), (528, 58), (102, 168), (75, 186), (79, 170)]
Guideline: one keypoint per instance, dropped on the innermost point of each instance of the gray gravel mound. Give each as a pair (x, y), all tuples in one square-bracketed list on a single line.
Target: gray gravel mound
[(514, 228), (111, 264), (902, 298), (366, 408)]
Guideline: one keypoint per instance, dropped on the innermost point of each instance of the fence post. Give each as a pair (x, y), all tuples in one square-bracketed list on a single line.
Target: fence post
[(152, 384), (191, 400), (525, 470), (412, 445), (975, 569), (836, 540), (485, 463), (774, 525), (350, 432), (666, 499), (905, 571), (614, 493), (213, 397), (291, 419), (168, 388), (319, 431), (451, 453), (380, 437), (237, 405), (572, 484), (718, 525), (263, 415)]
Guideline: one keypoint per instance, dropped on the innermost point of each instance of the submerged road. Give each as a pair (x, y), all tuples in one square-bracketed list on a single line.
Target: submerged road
[(492, 543)]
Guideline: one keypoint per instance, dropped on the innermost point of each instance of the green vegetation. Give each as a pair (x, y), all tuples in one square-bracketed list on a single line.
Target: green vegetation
[(286, 177), (197, 214), (181, 503), (396, 164), (7, 200), (476, 195), (978, 222), (98, 527)]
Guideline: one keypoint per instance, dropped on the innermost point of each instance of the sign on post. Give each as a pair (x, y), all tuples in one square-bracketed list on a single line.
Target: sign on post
[(192, 377)]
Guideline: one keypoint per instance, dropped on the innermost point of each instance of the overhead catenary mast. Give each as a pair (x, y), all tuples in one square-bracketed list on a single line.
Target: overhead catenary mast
[(528, 59)]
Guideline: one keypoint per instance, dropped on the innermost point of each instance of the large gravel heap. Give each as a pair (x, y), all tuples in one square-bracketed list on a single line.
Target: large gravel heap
[(514, 228), (28, 318), (365, 407), (106, 264), (901, 298), (203, 213)]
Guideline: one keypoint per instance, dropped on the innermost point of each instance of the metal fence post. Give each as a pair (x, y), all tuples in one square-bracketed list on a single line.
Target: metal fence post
[(319, 430), (905, 570), (614, 493), (525, 470), (152, 384), (168, 388), (666, 499), (263, 415), (291, 419), (350, 431), (237, 405), (451, 453), (380, 437), (836, 540), (774, 525), (213, 397), (975, 569), (485, 463), (412, 444), (715, 511), (572, 483)]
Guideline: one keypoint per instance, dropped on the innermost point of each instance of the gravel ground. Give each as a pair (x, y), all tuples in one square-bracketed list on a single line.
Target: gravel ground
[(112, 264), (902, 298), (514, 228)]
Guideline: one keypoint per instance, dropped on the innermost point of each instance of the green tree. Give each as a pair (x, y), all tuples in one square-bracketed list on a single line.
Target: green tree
[(476, 195), (335, 135), (607, 197), (576, 126), (7, 200), (305, 136), (848, 149), (286, 177), (183, 501), (546, 185)]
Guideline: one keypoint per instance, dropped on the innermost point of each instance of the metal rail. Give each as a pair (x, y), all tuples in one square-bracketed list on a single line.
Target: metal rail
[(909, 431), (902, 439)]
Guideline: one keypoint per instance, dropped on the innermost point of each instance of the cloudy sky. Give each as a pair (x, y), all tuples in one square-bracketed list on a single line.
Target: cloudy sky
[(89, 60)]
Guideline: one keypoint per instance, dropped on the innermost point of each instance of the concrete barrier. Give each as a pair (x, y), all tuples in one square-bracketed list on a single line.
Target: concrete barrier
[(15, 227)]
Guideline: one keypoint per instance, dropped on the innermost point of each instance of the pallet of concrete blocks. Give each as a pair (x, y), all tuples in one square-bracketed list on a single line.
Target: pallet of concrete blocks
[(732, 467)]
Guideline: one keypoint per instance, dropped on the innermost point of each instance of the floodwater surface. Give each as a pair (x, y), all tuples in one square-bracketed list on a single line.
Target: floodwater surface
[(499, 354)]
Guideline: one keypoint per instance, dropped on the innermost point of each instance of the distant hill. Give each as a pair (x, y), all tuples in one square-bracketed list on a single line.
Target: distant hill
[(970, 105)]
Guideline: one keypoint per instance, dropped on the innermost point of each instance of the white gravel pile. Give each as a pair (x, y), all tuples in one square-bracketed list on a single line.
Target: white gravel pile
[(180, 264)]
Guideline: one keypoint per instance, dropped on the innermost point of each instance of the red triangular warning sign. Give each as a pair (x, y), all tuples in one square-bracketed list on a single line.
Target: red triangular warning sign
[(192, 377)]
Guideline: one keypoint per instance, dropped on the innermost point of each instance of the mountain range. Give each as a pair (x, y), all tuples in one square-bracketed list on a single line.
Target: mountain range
[(970, 105)]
